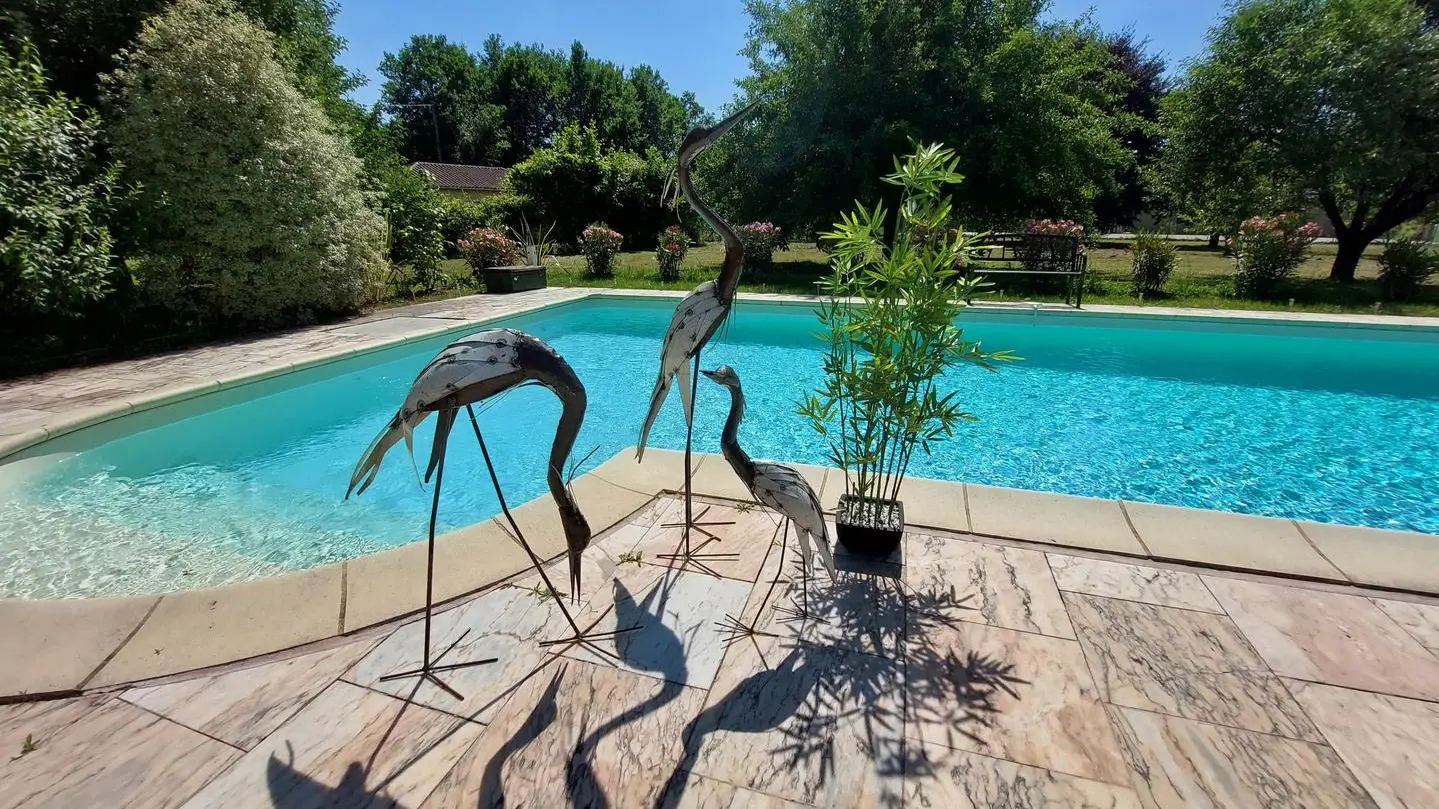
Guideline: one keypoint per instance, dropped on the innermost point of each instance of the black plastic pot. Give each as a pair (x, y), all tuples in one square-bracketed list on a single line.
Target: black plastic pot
[(865, 529), (514, 279)]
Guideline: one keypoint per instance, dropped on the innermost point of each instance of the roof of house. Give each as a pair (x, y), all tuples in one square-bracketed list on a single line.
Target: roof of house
[(461, 177)]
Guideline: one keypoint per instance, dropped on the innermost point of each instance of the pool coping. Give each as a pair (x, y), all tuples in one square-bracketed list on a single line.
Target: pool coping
[(64, 646)]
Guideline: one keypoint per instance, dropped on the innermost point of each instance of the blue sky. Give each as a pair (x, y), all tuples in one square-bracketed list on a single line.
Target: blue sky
[(693, 44)]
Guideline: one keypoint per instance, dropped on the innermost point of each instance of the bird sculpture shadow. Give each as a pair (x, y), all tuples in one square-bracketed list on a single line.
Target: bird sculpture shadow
[(544, 714), (291, 789), (761, 702), (655, 649)]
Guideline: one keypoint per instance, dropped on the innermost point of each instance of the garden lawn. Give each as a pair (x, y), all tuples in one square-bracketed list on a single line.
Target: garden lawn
[(1202, 278)]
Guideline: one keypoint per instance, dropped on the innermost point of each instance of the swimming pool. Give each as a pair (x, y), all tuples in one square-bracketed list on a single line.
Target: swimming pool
[(1334, 424)]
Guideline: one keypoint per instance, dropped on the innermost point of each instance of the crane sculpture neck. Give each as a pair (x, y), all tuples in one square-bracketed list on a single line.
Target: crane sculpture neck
[(739, 460), (728, 280)]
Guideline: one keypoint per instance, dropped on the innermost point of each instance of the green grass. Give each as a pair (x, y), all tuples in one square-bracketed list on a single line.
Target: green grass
[(1202, 278)]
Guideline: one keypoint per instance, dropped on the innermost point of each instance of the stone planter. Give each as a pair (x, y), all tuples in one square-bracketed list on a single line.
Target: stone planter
[(503, 280)]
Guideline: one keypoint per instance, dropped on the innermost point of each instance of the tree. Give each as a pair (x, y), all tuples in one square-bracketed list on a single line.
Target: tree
[(663, 117), (252, 202), (530, 83), (55, 202), (79, 40), (1334, 102), (1136, 117), (846, 84), (436, 93)]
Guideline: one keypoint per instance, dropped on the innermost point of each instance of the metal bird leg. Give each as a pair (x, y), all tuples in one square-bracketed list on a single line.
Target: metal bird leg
[(583, 637), (688, 554), (428, 669), (733, 628)]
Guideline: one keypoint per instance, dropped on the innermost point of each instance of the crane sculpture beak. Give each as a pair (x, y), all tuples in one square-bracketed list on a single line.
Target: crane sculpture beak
[(711, 374), (728, 123)]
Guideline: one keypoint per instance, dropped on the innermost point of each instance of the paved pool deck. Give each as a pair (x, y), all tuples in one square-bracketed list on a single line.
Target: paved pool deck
[(68, 646), (967, 673)]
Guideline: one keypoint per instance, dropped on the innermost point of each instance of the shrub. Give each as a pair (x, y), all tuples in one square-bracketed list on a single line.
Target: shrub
[(1056, 227), (459, 216), (55, 242), (1153, 260), (670, 252), (486, 247), (760, 240), (1404, 266), (600, 244), (1266, 251), (415, 217), (252, 203)]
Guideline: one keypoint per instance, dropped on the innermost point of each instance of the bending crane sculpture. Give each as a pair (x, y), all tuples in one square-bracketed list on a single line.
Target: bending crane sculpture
[(776, 485), (466, 372), (695, 320)]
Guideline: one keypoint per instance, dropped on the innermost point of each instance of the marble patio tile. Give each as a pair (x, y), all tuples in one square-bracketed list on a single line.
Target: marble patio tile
[(1419, 620), (1014, 695), (575, 734), (1183, 764), (679, 638), (1391, 744), (350, 747), (1328, 637), (806, 723), (942, 778), (505, 623), (1149, 585), (987, 584), (698, 792), (115, 755), (1183, 663), (745, 543), (244, 706), (40, 721)]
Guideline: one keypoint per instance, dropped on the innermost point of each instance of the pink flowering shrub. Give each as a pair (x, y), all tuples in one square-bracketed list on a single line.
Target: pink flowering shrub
[(1266, 251), (760, 240), (599, 244), (486, 247), (1056, 227), (671, 252)]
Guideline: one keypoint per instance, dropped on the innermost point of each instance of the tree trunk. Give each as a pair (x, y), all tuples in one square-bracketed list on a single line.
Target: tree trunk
[(1346, 260), (1214, 241)]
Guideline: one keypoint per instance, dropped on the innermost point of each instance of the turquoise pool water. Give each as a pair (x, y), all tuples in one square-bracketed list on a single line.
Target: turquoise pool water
[(1327, 424)]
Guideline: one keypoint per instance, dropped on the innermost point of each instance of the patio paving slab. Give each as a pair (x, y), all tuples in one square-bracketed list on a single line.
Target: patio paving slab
[(1419, 620), (1183, 663), (1147, 585), (1391, 744), (1322, 636), (575, 734), (1389, 558), (350, 747), (1231, 540), (698, 792), (986, 584), (55, 644), (40, 721), (243, 706), (1048, 517), (937, 776), (157, 764), (1014, 695), (1184, 764)]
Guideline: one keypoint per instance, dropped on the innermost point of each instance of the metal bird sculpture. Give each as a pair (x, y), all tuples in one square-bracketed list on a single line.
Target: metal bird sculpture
[(776, 485), (473, 369), (701, 313)]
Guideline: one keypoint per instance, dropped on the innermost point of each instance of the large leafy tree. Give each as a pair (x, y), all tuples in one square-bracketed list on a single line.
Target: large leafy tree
[(55, 201), (436, 93), (846, 84), (529, 82), (253, 204), (78, 40), (1135, 114), (1334, 102)]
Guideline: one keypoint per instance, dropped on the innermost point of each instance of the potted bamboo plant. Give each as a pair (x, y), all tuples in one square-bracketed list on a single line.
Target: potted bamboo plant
[(889, 319)]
